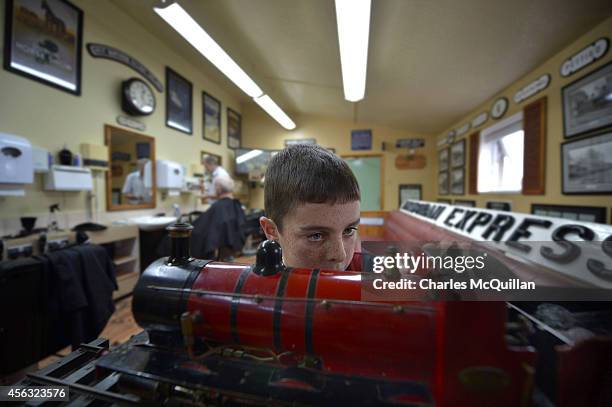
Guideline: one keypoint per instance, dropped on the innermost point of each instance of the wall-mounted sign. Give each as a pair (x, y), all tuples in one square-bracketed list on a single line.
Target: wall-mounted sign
[(480, 119), (463, 129), (499, 108), (361, 139), (131, 123), (108, 52), (532, 88), (410, 143), (293, 142), (575, 248), (585, 57), (410, 161)]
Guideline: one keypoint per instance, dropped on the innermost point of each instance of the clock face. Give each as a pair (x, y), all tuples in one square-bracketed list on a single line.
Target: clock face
[(141, 96)]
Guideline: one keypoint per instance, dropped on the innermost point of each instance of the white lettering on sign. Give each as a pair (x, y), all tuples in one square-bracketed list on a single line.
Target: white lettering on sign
[(534, 87), (480, 119), (551, 241), (585, 57), (463, 129)]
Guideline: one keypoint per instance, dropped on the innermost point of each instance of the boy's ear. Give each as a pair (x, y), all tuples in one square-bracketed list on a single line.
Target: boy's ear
[(269, 228)]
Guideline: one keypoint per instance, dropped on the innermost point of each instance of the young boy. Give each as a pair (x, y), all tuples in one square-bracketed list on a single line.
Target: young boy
[(311, 200)]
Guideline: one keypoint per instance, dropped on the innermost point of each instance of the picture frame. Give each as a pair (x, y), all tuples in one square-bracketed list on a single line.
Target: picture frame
[(217, 156), (293, 142), (465, 202), (586, 165), (361, 139), (443, 160), (444, 201), (581, 213), (211, 116), (43, 41), (505, 206), (457, 154), (585, 105), (234, 129), (409, 191), (179, 102), (443, 183), (457, 181)]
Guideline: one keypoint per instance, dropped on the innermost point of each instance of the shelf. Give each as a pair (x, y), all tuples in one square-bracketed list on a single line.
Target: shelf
[(123, 260)]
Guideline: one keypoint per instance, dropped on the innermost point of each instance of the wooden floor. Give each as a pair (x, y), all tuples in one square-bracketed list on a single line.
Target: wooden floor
[(121, 325)]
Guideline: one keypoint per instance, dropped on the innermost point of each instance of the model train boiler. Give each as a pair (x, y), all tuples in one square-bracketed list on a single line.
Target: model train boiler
[(273, 333)]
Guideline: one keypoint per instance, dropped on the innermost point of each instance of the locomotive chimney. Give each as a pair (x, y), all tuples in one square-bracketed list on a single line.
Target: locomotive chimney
[(180, 241), (269, 258)]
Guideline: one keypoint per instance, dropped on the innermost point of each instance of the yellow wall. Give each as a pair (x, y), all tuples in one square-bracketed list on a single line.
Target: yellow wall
[(260, 131), (553, 195), (51, 118)]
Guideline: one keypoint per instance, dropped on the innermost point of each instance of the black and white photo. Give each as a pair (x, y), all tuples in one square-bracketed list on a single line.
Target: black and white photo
[(457, 154), (443, 160), (457, 181), (587, 165), (443, 183), (179, 102)]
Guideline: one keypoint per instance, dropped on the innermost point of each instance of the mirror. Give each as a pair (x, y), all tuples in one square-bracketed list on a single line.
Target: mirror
[(130, 182)]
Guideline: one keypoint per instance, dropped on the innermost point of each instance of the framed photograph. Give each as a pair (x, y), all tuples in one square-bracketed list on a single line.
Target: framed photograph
[(586, 102), (443, 183), (409, 191), (43, 41), (457, 154), (212, 118), (499, 205), (234, 129), (179, 102), (443, 160), (361, 139), (587, 165), (457, 181), (292, 142), (465, 202), (205, 153), (582, 213)]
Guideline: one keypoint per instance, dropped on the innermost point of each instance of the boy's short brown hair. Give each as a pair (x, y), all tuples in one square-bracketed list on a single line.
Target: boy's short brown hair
[(306, 174)]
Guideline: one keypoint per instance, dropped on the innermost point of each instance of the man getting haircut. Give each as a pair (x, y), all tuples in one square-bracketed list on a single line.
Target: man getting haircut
[(311, 200)]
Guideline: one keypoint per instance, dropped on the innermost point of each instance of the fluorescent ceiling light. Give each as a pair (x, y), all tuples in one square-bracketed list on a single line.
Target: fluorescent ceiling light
[(247, 156), (187, 27), (267, 104), (353, 18)]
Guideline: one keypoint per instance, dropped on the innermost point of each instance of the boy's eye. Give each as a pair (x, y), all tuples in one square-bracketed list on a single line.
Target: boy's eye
[(315, 237), (350, 231)]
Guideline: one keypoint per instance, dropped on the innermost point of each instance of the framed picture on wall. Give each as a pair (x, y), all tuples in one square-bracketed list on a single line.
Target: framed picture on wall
[(457, 154), (457, 181), (581, 213), (43, 41), (211, 107), (586, 102), (234, 129), (499, 205), (465, 202), (587, 165), (361, 139), (443, 183), (179, 102), (444, 201), (443, 160), (409, 191)]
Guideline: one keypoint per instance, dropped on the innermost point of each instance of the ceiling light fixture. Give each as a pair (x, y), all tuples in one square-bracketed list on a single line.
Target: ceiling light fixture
[(189, 29), (267, 104), (353, 19)]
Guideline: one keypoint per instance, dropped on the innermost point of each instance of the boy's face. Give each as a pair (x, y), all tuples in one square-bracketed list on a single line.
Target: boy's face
[(317, 235)]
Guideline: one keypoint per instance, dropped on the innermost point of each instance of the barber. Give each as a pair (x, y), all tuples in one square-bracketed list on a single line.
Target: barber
[(214, 172)]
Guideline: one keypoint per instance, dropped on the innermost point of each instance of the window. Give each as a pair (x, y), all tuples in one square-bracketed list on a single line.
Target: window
[(500, 159)]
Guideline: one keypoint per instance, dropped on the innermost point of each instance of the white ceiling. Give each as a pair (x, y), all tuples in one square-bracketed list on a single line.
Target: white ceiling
[(430, 61)]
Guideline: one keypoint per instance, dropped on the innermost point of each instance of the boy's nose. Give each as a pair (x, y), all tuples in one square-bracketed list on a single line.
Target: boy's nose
[(335, 251)]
